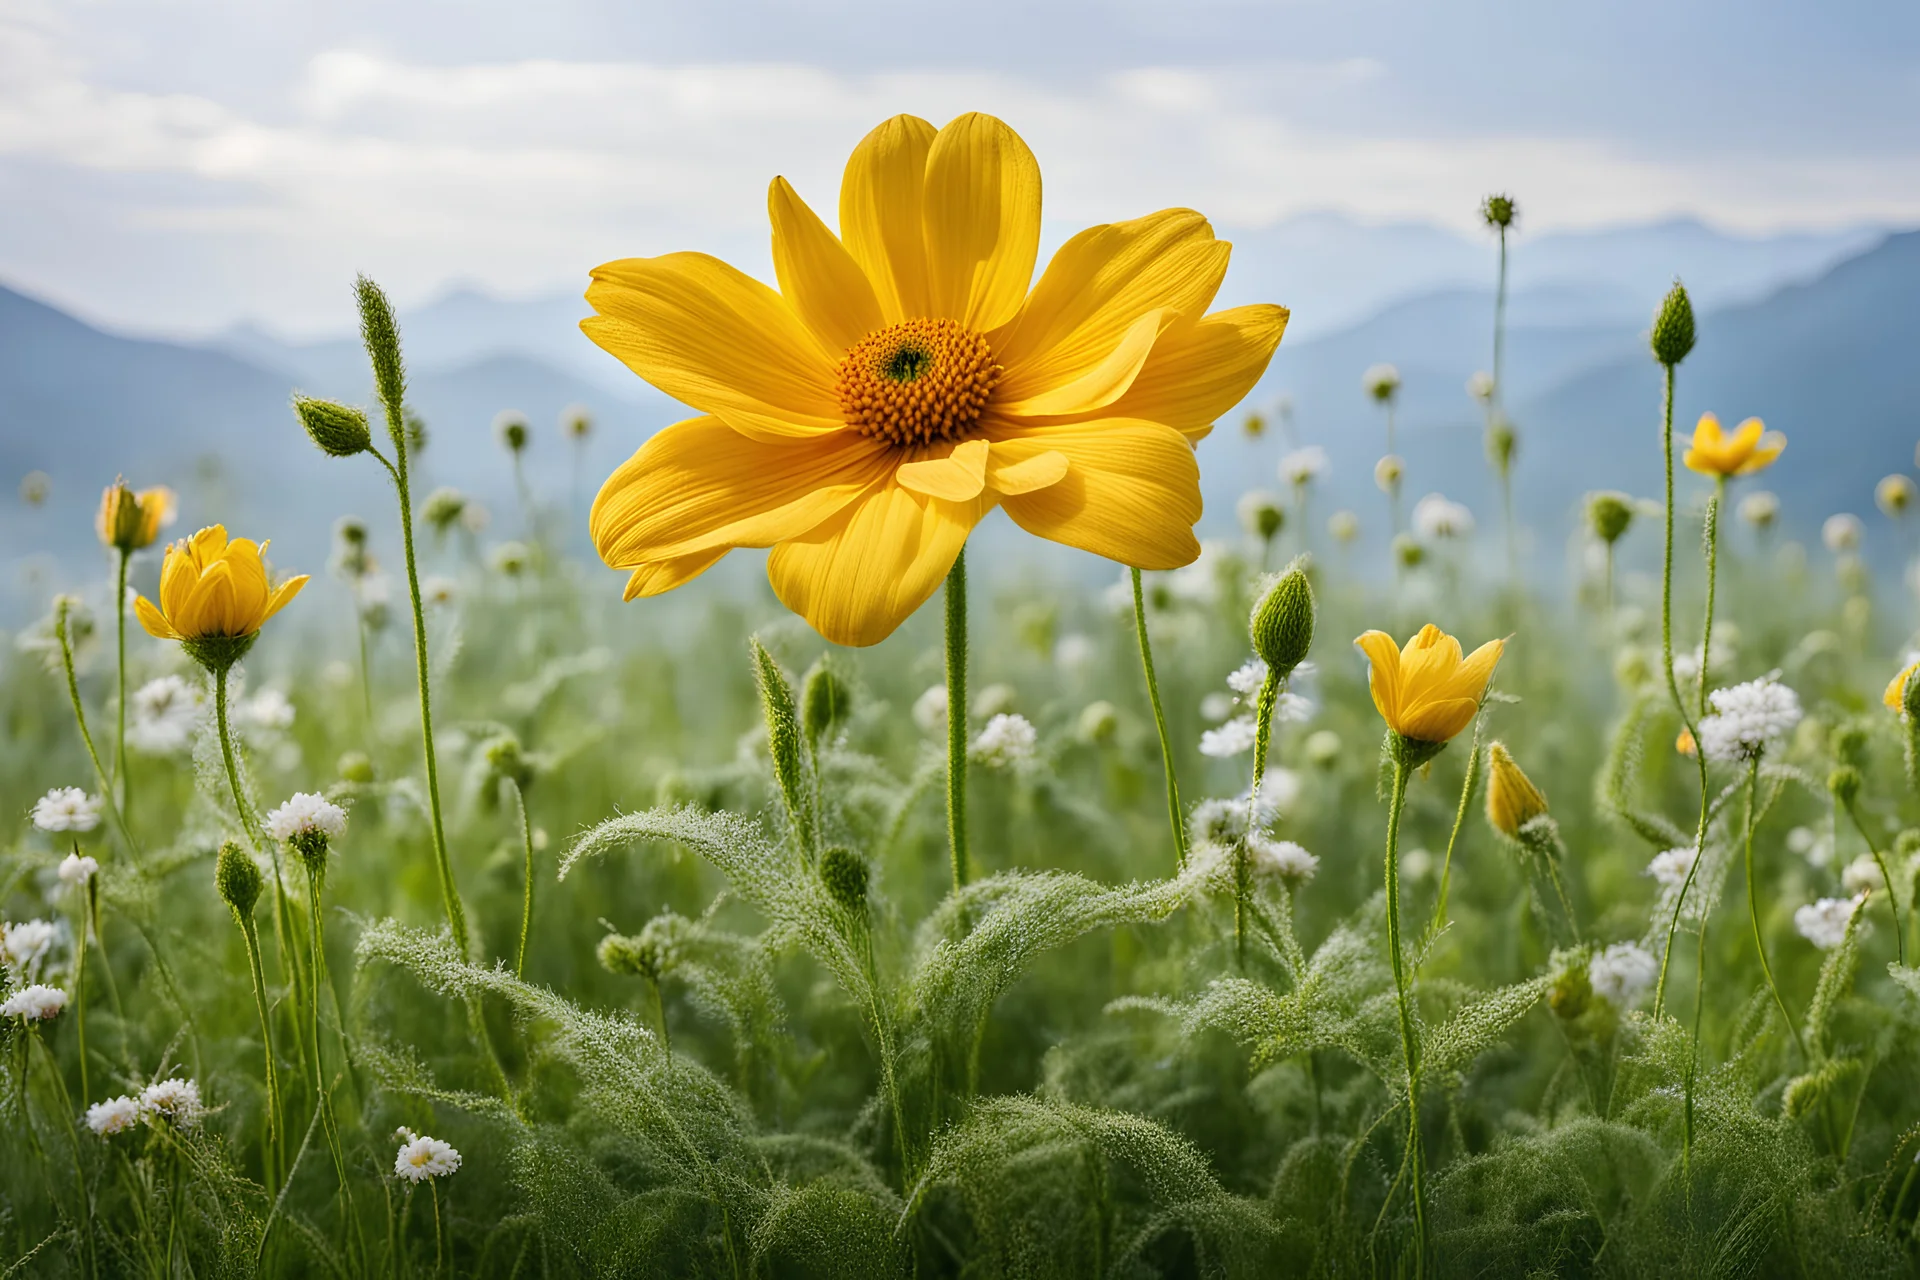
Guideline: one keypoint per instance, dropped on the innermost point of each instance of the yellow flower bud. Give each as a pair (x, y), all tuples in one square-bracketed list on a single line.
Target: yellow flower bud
[(1512, 799)]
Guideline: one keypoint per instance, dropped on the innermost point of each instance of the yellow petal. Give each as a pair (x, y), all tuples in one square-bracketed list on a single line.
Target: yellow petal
[(1131, 491), (1015, 467), (1706, 432), (283, 596), (1476, 671), (1894, 697), (1201, 368), (958, 477), (1438, 721), (1383, 674), (712, 337), (699, 485), (664, 575), (982, 219), (1097, 285), (153, 620), (881, 195), (1106, 382), (211, 608), (859, 575), (1772, 444), (817, 275)]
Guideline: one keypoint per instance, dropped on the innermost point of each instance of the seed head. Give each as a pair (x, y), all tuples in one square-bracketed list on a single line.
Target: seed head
[(1609, 514), (1409, 553), (1282, 622), (237, 876), (1499, 211), (1502, 442), (1673, 334), (825, 700), (1844, 784), (576, 422), (844, 875), (510, 429), (340, 430), (629, 956), (1261, 514), (505, 760)]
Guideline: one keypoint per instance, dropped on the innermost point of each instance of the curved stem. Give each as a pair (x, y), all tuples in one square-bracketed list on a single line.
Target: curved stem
[(1262, 740), (1711, 537), (1753, 910), (275, 1120), (121, 772), (80, 719), (957, 718), (1174, 816), (1408, 1043), (526, 900), (1467, 785), (1893, 898)]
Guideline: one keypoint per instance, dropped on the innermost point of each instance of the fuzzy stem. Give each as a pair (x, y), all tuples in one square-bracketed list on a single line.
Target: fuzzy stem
[(1262, 739), (1174, 817), (1753, 910), (276, 1154), (80, 719), (73, 1137), (1893, 897), (526, 901), (1408, 1044), (1710, 535), (329, 1123), (80, 992), (957, 719), (1467, 785), (122, 774)]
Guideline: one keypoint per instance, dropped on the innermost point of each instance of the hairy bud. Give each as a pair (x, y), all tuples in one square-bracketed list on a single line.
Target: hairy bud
[(844, 874), (1499, 211), (783, 736), (237, 876), (1608, 515), (1282, 623), (340, 430), (1844, 783), (1673, 333), (825, 700)]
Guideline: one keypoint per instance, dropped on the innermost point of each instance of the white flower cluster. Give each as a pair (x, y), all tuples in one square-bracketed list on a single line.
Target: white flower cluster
[(76, 869), (1861, 876), (1074, 651), (266, 710), (1247, 678), (1669, 869), (115, 1115), (1279, 788), (172, 1100), (35, 1003), (930, 709), (1437, 518), (23, 946), (1623, 973), (165, 711), (1815, 847), (66, 809), (305, 813), (1303, 466), (1230, 739), (1747, 719), (1824, 923), (1008, 741), (421, 1157), (1281, 859), (1842, 533)]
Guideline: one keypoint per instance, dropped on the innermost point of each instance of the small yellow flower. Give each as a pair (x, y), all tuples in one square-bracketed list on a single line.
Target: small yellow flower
[(211, 588), (1895, 696), (1512, 799), (1427, 692), (1750, 448), (129, 520), (1684, 744)]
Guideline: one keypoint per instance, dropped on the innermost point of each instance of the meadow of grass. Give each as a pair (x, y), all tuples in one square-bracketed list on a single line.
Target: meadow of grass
[(722, 1009)]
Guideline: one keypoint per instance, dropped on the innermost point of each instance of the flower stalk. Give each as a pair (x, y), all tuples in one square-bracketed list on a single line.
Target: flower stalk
[(957, 719), (1175, 818)]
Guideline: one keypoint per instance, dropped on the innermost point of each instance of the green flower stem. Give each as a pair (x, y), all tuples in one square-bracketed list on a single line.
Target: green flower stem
[(80, 993), (1174, 816), (1893, 898), (80, 718), (450, 896), (1710, 541), (526, 901), (276, 1122), (73, 1138), (957, 718), (1467, 786), (1408, 1042), (122, 774), (329, 1124), (1242, 878), (1753, 909)]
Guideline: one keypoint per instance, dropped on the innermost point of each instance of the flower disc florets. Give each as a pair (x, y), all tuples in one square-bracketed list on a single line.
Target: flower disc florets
[(306, 822), (174, 1100), (422, 1158), (1747, 719), (36, 1003), (1623, 973), (917, 382), (115, 1115)]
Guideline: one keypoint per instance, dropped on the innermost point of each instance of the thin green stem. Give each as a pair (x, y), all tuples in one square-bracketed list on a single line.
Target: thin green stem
[(434, 1187), (80, 719), (329, 1123), (1500, 322), (1467, 785), (1753, 909), (1174, 816), (366, 665), (526, 900), (1262, 740), (73, 1137), (1893, 897), (121, 773), (1408, 1042), (1711, 540), (276, 1125), (957, 719)]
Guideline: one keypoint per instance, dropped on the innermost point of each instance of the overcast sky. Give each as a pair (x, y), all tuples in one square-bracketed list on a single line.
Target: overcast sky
[(180, 164)]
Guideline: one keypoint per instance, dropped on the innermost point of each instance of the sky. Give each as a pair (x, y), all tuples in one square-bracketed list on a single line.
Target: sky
[(180, 165)]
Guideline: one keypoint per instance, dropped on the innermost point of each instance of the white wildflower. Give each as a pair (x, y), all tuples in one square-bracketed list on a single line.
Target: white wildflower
[(1623, 974), (439, 590), (66, 809), (1862, 875), (1380, 381), (1218, 821), (1282, 859), (173, 1100), (164, 711), (1815, 847), (305, 813), (1418, 864), (1386, 475), (1279, 789), (1760, 509), (1216, 706), (930, 709), (267, 710), (1747, 719), (36, 1003), (115, 1115), (1303, 466), (76, 869), (1292, 708), (1073, 651), (23, 946), (993, 700), (1230, 739), (1842, 533), (1260, 513), (1669, 869), (1247, 678), (1480, 386), (1007, 741), (423, 1157), (1824, 923), (1436, 517)]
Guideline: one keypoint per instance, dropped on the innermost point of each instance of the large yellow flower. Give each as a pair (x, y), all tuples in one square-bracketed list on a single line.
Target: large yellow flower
[(1750, 448), (1427, 692), (213, 589), (903, 382)]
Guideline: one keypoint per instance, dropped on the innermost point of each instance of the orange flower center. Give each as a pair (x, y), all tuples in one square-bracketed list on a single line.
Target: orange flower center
[(917, 382)]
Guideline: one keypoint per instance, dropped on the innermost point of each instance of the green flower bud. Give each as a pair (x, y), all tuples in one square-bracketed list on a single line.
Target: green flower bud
[(510, 428), (1844, 783), (237, 876), (1502, 442), (1848, 743), (783, 735), (505, 760), (1282, 623), (1608, 515), (629, 957), (1409, 553), (1499, 211), (1907, 843), (825, 700), (355, 766), (1673, 327), (843, 873), (340, 430), (1099, 722)]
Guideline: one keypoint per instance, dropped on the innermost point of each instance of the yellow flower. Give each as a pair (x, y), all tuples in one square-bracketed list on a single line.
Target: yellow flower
[(211, 589), (1750, 448), (130, 520), (1427, 692), (904, 381), (1512, 799), (1896, 695), (1684, 743)]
